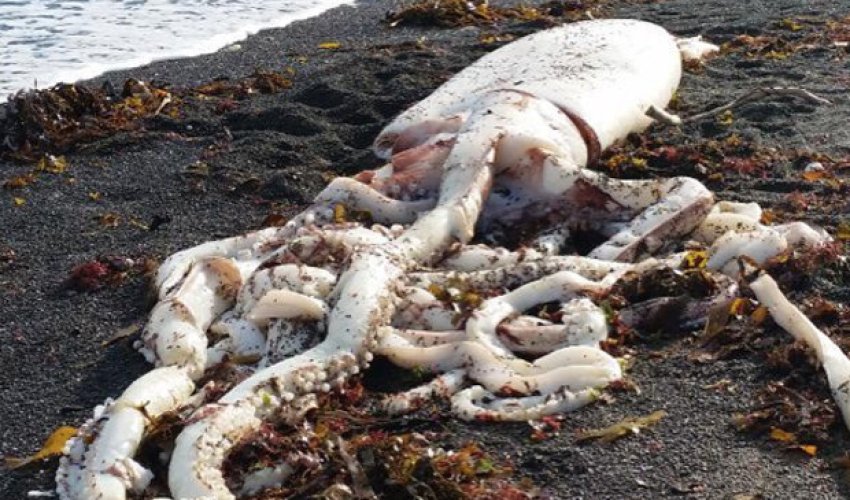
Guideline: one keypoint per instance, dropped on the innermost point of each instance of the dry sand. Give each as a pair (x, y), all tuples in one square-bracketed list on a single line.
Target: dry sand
[(55, 370)]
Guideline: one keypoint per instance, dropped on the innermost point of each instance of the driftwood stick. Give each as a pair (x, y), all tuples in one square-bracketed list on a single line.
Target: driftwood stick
[(663, 116), (751, 96)]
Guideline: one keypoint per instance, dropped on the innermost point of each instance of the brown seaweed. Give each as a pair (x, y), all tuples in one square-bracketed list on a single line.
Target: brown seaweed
[(455, 13)]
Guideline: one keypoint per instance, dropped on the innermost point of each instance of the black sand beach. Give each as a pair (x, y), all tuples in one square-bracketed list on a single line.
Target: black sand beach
[(210, 173)]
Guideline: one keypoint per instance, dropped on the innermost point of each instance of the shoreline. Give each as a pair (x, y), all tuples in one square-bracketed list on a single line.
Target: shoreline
[(215, 43), (259, 49), (280, 148)]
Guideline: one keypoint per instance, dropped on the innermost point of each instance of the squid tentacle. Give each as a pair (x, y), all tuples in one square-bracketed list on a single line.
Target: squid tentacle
[(442, 386), (98, 462), (365, 302), (490, 149)]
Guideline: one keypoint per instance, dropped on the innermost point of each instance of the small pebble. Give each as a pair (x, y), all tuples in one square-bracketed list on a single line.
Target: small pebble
[(815, 166)]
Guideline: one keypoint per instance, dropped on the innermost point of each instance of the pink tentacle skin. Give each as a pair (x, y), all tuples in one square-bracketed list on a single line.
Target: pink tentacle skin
[(510, 332), (415, 134), (413, 173)]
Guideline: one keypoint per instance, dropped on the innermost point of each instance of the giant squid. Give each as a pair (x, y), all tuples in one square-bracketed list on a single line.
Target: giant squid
[(506, 140)]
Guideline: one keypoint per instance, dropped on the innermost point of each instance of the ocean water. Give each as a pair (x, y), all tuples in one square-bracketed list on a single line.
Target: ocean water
[(45, 42)]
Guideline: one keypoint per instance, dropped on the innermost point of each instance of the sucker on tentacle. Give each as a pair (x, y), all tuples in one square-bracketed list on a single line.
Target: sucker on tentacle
[(306, 306), (364, 302)]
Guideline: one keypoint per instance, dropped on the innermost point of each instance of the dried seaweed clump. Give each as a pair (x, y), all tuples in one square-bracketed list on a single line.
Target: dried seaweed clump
[(65, 116), (455, 13), (340, 449), (57, 119), (791, 36), (800, 417), (106, 271), (716, 159), (261, 81), (662, 300)]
